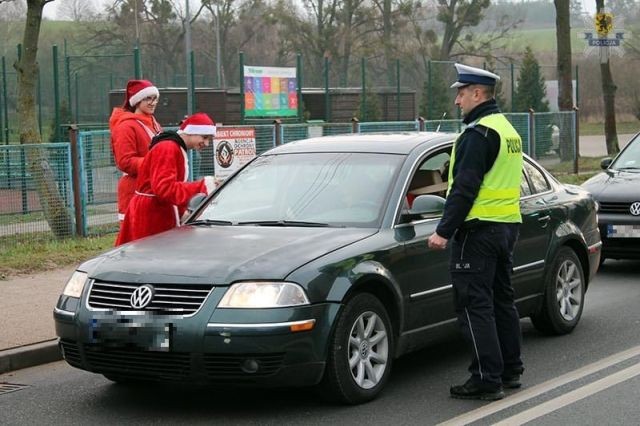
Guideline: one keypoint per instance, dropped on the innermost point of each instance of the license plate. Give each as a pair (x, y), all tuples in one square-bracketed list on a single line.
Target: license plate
[(130, 332), (623, 231)]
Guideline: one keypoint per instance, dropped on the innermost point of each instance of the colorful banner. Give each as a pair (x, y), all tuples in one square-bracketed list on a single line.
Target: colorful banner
[(232, 148), (270, 92)]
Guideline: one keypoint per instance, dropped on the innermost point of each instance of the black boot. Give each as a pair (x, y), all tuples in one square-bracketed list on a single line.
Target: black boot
[(477, 390)]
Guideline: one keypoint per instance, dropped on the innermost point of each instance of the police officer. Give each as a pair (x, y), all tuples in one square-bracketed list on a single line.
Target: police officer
[(481, 218)]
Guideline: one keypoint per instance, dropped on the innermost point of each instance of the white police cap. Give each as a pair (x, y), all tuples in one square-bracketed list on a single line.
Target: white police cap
[(471, 75)]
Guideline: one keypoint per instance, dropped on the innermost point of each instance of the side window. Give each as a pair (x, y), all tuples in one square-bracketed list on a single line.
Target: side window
[(430, 177), (538, 181), (525, 189)]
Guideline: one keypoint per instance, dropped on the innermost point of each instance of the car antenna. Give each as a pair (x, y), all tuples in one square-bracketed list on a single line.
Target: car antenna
[(440, 123)]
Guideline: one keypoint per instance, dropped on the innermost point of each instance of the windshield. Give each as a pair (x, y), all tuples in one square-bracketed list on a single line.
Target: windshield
[(319, 189), (629, 158)]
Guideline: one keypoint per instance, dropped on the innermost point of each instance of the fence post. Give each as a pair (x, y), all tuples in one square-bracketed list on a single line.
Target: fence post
[(576, 153), (75, 180), (532, 133), (421, 124), (398, 89), (23, 181), (5, 102), (327, 111), (278, 132)]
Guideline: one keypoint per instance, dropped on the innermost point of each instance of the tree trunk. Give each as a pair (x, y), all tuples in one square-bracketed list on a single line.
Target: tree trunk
[(387, 43), (55, 211), (565, 83), (609, 96)]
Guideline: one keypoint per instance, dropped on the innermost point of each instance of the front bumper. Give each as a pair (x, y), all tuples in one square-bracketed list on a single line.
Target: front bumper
[(214, 346), (614, 247)]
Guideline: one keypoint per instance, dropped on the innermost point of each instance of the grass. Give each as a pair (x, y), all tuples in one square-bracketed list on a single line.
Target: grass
[(40, 253), (623, 127), (587, 167)]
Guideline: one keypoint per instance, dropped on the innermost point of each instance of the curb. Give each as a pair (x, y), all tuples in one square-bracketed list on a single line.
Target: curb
[(29, 355)]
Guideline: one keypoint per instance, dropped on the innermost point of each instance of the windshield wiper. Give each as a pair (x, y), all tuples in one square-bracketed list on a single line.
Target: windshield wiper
[(628, 168), (209, 222), (283, 223)]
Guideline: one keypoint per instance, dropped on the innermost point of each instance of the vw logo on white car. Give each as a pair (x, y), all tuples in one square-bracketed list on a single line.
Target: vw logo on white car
[(142, 296), (635, 208)]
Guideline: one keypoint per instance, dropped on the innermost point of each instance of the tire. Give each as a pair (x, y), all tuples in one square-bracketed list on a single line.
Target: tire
[(360, 352), (564, 295), (122, 380)]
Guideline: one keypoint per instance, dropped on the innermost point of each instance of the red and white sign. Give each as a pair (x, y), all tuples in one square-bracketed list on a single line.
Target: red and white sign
[(233, 147)]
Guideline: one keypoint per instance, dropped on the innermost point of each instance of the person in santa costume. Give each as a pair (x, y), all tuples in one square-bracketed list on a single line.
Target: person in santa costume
[(132, 128), (162, 191)]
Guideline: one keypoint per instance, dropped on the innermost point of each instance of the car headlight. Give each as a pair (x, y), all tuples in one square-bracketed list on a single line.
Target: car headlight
[(75, 284), (262, 294)]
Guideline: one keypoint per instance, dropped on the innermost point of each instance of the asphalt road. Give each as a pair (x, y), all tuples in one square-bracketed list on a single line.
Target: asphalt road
[(590, 377)]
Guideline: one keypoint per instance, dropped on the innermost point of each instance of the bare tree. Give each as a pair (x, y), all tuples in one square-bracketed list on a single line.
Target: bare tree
[(456, 15), (609, 96), (75, 10), (565, 83), (27, 68)]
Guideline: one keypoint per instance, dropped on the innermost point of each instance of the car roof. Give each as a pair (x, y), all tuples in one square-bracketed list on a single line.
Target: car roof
[(389, 143)]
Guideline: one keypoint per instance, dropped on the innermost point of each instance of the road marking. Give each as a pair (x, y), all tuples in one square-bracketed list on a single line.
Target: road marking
[(571, 397), (530, 393)]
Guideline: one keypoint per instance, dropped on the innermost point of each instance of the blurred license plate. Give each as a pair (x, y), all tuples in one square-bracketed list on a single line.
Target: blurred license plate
[(126, 332), (623, 231)]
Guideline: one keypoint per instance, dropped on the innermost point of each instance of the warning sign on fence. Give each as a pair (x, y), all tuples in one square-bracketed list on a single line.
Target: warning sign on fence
[(233, 147)]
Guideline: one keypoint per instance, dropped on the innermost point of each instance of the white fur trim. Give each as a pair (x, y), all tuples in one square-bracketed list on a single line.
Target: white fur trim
[(198, 129), (210, 183), (147, 91)]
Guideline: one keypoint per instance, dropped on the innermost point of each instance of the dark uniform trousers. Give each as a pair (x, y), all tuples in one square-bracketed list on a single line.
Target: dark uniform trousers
[(481, 265)]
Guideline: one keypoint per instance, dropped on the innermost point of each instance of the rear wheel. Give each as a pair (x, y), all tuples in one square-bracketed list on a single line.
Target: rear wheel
[(564, 295), (360, 352)]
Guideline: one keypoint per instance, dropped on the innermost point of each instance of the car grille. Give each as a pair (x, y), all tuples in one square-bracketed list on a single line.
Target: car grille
[(219, 366), (71, 353), (168, 298), (615, 208), (168, 365)]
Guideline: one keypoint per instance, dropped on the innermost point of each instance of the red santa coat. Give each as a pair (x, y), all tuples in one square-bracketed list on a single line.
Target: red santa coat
[(131, 135), (162, 192)]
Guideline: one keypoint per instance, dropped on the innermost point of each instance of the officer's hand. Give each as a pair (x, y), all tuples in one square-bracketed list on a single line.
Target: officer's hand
[(437, 242)]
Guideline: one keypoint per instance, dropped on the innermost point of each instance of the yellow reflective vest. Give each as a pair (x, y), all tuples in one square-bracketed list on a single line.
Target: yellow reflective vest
[(499, 197)]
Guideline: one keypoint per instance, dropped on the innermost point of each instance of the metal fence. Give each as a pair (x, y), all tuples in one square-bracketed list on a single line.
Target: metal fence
[(36, 194), (548, 137)]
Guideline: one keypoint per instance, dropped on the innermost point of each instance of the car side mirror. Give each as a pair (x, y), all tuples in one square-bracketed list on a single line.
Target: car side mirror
[(427, 204), (424, 205), (195, 202), (605, 163)]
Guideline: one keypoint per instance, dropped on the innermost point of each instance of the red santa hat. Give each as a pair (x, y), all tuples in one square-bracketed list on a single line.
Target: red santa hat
[(198, 124), (137, 90)]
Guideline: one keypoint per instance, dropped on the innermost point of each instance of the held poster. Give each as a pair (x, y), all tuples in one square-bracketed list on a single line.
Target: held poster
[(270, 92), (233, 147)]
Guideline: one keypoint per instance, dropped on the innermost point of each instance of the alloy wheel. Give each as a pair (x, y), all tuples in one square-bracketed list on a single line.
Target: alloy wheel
[(368, 350), (569, 290)]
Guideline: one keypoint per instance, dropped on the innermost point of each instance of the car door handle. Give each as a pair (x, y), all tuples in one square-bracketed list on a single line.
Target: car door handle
[(544, 220)]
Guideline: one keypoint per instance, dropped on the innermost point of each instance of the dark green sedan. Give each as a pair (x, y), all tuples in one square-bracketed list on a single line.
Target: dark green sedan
[(310, 266)]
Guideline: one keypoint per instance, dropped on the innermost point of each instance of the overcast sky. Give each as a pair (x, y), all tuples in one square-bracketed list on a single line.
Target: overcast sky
[(50, 8)]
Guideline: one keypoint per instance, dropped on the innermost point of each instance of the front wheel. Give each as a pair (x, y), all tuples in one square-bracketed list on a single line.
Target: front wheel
[(564, 295), (360, 352)]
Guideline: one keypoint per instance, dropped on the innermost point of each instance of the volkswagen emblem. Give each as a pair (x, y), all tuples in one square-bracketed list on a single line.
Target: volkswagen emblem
[(142, 296), (635, 208)]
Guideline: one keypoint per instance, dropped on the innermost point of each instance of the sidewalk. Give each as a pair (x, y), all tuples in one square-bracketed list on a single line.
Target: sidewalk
[(27, 333)]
